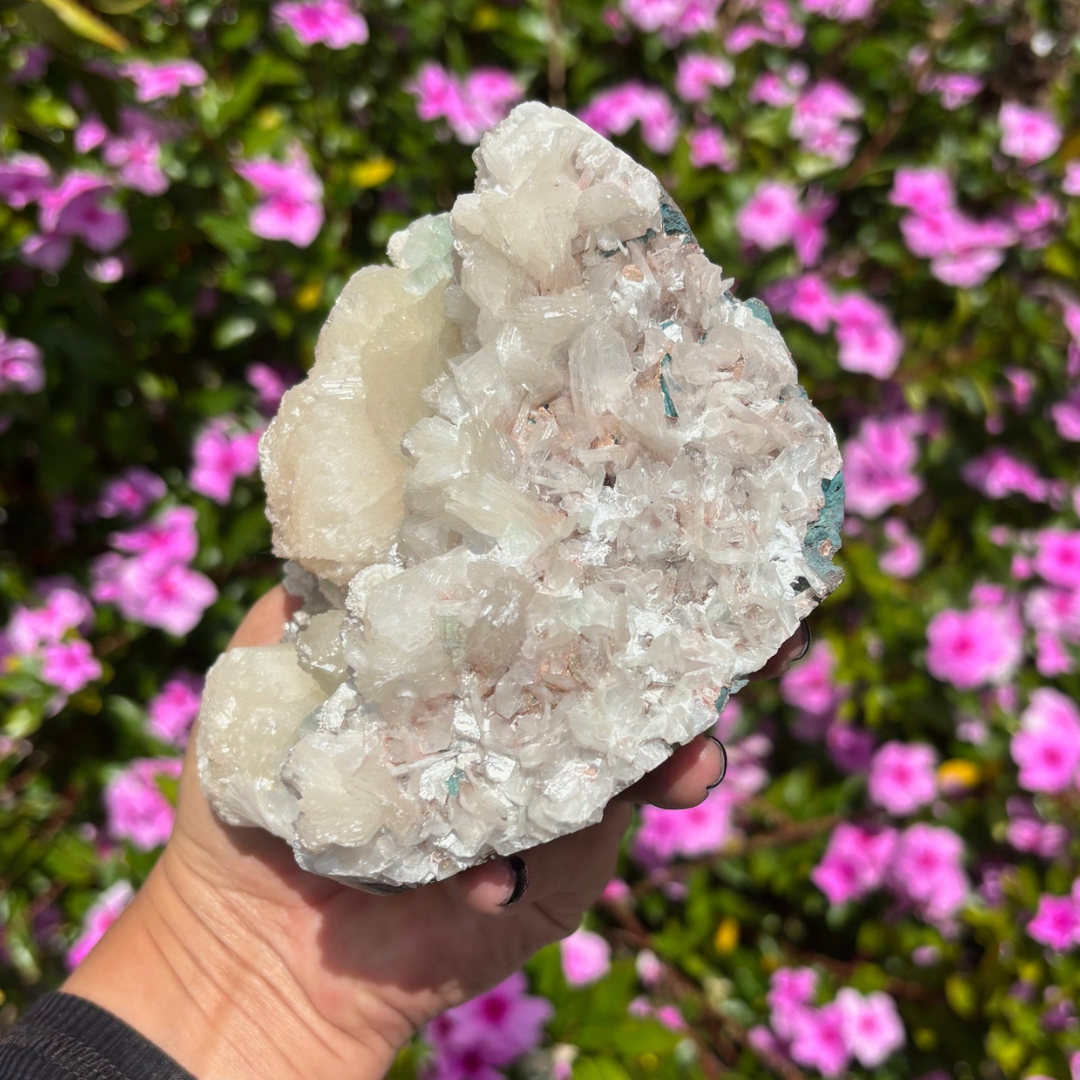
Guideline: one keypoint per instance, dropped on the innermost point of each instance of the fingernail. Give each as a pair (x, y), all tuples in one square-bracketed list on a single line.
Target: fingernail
[(521, 880), (805, 626), (723, 768)]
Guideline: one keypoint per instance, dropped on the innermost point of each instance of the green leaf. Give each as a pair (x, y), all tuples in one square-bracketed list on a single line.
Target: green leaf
[(86, 24), (599, 1068), (232, 331)]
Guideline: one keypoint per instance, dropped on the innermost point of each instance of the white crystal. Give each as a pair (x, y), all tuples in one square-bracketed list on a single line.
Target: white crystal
[(547, 492)]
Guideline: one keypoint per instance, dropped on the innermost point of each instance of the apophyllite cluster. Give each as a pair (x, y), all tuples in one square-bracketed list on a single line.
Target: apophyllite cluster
[(549, 494)]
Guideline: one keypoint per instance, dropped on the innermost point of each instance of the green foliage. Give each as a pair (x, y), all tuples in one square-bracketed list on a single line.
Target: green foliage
[(137, 367)]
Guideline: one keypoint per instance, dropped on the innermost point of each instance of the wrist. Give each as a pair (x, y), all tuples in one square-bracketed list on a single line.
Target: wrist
[(202, 982)]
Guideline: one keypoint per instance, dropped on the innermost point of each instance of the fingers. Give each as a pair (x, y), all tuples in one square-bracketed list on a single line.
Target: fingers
[(683, 780), (793, 650), (264, 622), (578, 865)]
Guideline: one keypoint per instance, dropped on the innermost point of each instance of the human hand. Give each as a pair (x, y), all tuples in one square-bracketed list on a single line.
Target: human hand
[(238, 963)]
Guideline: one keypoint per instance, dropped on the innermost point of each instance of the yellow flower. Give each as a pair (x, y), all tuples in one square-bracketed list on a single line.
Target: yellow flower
[(726, 938), (486, 17), (958, 774), (307, 296), (373, 172)]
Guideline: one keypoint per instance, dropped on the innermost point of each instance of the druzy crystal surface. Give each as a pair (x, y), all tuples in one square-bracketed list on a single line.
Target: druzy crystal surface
[(549, 494)]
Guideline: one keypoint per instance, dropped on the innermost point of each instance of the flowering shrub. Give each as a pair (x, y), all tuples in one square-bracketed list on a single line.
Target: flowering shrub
[(887, 882)]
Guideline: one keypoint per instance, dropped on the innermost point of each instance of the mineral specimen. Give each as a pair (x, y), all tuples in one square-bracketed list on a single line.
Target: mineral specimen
[(550, 494)]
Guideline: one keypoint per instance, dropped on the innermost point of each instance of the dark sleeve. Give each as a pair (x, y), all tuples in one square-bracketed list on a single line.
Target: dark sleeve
[(64, 1037)]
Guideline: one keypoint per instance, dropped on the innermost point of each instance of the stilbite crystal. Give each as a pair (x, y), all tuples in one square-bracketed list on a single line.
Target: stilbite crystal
[(550, 493)]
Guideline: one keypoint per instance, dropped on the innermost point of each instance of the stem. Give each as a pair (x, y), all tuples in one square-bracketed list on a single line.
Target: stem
[(556, 60)]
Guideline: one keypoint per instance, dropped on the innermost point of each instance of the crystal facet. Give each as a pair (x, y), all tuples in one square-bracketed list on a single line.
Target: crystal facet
[(550, 493)]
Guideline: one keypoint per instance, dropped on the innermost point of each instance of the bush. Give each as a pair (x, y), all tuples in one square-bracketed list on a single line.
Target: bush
[(887, 882)]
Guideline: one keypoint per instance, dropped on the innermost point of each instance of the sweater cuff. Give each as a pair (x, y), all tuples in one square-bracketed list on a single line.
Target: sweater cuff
[(63, 1036)]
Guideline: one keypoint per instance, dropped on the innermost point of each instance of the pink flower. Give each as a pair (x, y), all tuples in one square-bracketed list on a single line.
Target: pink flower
[(220, 459), (1047, 746), (137, 155), (1029, 135), (812, 302), (817, 121), (282, 217), (1066, 417), (292, 198), (155, 81), (871, 1025), (779, 89), (1051, 657), (461, 1063), (90, 134), (709, 146), (1071, 184), (776, 27), (976, 647), (74, 209), (809, 235), (69, 665), (135, 806), (101, 914), (698, 73), (998, 474), (21, 368), (854, 863), (616, 891), (173, 709), (1032, 219), (1054, 611), (470, 107), (1056, 923), (904, 558), (927, 868), (1021, 386), (670, 1017), (496, 1028), (665, 834), (879, 464), (819, 1041), (49, 253), (24, 178), (674, 19), (615, 111), (170, 538), (789, 988), (269, 383), (130, 493), (1026, 831), (810, 684), (586, 957), (173, 599), (769, 217), (926, 191), (841, 10), (334, 23), (850, 748), (902, 777), (64, 609), (869, 341), (955, 89), (649, 967), (1057, 557), (158, 593), (963, 252)]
